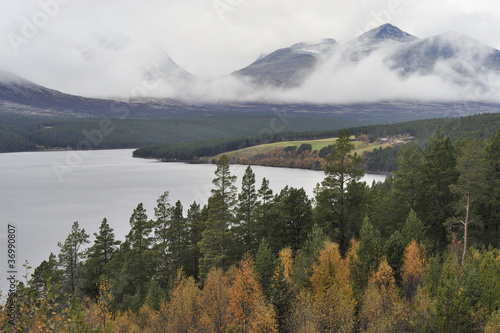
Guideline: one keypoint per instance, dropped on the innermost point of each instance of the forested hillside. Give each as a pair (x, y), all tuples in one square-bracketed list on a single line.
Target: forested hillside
[(25, 134), (417, 253), (379, 160)]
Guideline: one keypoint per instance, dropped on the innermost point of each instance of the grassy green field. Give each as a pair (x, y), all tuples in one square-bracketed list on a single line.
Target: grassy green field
[(316, 145)]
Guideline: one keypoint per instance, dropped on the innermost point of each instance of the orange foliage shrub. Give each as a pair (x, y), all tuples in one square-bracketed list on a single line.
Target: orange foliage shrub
[(183, 312), (214, 302), (382, 309), (247, 308), (414, 261), (332, 293), (99, 316)]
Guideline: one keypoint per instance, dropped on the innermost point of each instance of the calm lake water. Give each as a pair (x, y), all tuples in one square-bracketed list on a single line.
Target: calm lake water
[(43, 193)]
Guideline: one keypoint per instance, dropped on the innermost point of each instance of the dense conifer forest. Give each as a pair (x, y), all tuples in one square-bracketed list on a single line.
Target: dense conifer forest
[(417, 253), (380, 160)]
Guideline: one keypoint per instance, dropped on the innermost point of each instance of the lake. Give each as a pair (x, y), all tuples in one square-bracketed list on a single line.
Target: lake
[(43, 193)]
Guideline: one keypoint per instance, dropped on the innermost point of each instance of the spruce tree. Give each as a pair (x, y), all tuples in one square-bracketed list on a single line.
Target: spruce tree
[(367, 258), (413, 229)]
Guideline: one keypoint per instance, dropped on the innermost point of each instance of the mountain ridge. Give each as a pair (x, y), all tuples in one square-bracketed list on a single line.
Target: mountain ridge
[(456, 59)]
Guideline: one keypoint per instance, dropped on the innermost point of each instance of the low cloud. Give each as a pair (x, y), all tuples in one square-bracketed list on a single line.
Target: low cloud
[(117, 48)]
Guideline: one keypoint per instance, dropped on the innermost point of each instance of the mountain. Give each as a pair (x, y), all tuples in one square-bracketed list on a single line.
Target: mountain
[(287, 67), (386, 32), (463, 57), (17, 90), (457, 62), (114, 53), (386, 36), (19, 96), (385, 63)]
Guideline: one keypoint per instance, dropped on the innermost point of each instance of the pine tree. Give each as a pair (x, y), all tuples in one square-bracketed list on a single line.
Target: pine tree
[(247, 203), (178, 235), (265, 192), (71, 256), (195, 226), (409, 176), (216, 236), (134, 264), (98, 257), (340, 199), (105, 244), (162, 238), (141, 228), (492, 190), (435, 201), (294, 220), (471, 166), (265, 214), (47, 272)]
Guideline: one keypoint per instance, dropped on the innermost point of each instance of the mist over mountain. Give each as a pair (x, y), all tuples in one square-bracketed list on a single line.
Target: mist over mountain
[(288, 67), (382, 64), (387, 63)]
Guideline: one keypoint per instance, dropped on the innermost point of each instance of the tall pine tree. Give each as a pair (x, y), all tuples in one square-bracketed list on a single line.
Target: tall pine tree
[(247, 203), (435, 200), (98, 257), (71, 256), (340, 199), (471, 166), (216, 236)]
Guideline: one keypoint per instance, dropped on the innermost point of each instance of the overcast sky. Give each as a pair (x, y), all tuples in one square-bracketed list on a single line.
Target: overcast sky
[(48, 41)]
